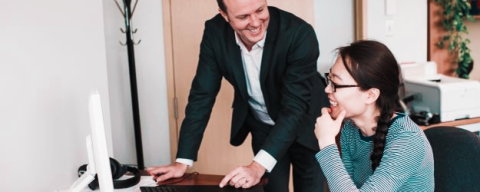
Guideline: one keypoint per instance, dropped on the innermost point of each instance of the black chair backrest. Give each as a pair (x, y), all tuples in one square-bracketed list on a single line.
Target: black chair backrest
[(456, 153)]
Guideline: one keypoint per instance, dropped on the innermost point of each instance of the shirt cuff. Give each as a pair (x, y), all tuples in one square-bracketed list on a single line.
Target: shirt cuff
[(266, 160), (188, 162)]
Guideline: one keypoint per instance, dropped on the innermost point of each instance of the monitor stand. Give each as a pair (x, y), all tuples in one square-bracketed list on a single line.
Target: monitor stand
[(89, 175)]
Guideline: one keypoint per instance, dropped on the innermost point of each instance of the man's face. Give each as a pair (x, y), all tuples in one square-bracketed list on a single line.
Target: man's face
[(249, 18)]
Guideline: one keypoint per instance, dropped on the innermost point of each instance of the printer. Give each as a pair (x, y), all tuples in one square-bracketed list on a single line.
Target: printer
[(450, 97)]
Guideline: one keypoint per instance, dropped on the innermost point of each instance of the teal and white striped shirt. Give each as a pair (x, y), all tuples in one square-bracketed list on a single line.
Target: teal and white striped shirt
[(406, 165)]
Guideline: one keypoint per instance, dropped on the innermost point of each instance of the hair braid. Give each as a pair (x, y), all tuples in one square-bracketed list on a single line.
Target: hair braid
[(381, 134)]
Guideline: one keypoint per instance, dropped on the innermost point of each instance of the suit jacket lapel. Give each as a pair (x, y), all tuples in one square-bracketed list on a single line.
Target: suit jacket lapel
[(236, 63), (268, 57), (268, 49)]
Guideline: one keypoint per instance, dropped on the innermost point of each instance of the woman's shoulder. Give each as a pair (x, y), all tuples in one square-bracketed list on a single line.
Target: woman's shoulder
[(402, 124)]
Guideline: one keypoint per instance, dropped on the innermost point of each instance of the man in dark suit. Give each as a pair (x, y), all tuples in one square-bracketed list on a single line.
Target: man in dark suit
[(270, 57)]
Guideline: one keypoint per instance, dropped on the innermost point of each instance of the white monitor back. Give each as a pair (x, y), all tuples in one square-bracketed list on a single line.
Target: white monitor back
[(100, 152), (99, 162)]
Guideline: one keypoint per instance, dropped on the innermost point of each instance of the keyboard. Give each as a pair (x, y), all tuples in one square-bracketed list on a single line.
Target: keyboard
[(199, 188)]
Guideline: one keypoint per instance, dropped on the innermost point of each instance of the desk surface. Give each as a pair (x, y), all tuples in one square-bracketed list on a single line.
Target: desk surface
[(454, 123), (197, 179), (194, 179)]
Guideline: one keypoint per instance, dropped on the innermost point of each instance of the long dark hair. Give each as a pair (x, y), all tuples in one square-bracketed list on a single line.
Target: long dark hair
[(372, 65)]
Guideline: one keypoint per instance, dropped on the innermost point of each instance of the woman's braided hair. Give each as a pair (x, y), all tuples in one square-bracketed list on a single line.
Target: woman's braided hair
[(372, 65)]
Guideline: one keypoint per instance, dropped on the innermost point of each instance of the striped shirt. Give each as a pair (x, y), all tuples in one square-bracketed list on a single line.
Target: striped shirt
[(406, 164)]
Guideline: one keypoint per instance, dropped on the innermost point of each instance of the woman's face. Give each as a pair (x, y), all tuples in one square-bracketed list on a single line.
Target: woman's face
[(351, 99)]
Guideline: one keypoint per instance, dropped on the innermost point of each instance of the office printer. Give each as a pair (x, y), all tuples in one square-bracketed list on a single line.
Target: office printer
[(450, 97)]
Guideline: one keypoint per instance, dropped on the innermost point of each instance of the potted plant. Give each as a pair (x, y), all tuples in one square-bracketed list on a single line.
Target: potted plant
[(455, 13)]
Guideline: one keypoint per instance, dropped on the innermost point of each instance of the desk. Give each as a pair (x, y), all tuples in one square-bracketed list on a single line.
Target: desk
[(146, 180), (190, 179), (472, 124), (194, 179)]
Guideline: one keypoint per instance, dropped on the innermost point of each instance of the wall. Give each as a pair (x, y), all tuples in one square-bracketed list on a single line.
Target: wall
[(409, 40), (474, 30), (334, 26), (151, 63), (119, 85), (151, 82), (53, 55)]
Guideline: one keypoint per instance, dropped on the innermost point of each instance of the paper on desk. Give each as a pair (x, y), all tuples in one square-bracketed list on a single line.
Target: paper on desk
[(144, 181)]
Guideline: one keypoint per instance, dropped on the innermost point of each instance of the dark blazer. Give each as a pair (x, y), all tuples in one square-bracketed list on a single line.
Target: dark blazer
[(292, 88)]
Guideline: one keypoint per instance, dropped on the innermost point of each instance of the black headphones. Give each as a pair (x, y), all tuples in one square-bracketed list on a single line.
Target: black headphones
[(118, 170)]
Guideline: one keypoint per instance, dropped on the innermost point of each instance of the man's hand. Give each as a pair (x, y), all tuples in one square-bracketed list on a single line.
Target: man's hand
[(244, 176), (162, 173)]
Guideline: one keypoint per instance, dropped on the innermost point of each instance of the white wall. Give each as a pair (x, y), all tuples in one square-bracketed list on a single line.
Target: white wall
[(151, 82), (334, 26), (52, 55), (119, 85), (409, 40)]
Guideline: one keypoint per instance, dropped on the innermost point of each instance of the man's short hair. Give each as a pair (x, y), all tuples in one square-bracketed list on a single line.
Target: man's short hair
[(222, 6)]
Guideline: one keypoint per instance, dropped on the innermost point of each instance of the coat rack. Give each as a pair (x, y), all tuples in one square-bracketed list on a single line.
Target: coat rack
[(127, 13)]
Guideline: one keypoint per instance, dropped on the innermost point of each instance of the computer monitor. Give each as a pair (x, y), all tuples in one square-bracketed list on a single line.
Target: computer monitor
[(98, 160)]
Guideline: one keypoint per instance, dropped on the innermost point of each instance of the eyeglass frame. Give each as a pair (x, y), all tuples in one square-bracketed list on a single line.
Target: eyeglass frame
[(328, 81)]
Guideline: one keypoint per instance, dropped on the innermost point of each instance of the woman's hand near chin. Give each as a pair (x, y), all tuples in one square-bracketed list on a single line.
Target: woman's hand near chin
[(327, 127), (335, 112)]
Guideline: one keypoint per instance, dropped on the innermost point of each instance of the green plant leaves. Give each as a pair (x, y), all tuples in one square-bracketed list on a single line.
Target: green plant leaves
[(455, 12)]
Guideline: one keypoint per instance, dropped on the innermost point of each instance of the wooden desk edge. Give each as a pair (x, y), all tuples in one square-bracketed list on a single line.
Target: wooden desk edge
[(453, 123), (197, 179)]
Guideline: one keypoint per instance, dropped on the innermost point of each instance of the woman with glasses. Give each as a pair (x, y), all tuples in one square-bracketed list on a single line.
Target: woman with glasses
[(380, 149)]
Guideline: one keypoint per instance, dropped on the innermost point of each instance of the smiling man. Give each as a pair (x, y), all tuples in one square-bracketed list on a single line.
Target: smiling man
[(270, 58)]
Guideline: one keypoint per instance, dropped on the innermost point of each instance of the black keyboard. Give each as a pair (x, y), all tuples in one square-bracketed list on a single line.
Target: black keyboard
[(199, 188)]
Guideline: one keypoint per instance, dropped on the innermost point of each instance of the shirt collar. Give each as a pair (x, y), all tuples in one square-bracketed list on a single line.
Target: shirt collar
[(260, 44)]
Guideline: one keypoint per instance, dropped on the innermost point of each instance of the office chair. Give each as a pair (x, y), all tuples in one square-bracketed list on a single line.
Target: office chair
[(456, 153)]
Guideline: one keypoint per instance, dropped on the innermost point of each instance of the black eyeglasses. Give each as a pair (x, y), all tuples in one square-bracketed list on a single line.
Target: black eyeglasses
[(334, 85)]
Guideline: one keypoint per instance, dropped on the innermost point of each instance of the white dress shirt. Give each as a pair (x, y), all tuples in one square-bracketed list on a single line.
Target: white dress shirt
[(252, 61)]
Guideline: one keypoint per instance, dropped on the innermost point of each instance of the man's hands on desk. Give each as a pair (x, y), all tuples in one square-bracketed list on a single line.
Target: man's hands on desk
[(242, 176), (162, 173)]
